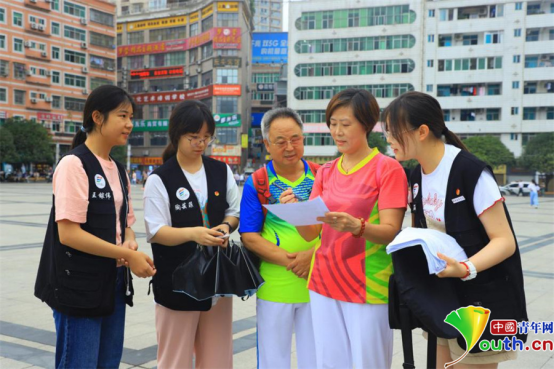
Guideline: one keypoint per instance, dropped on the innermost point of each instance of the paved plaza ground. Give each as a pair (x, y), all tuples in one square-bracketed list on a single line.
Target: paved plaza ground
[(27, 335)]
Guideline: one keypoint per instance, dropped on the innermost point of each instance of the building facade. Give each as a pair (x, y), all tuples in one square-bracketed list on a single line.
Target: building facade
[(488, 62), (196, 50), (374, 45), (52, 53), (268, 15)]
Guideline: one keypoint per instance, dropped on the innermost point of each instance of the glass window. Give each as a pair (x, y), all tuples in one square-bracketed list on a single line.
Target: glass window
[(550, 113), (431, 13), (17, 19), (515, 111), (75, 80), (169, 84), (517, 58), (354, 18), (97, 82), (3, 94), (74, 9), (467, 115), (158, 138), (519, 5), (493, 114), (227, 105), (532, 35), (207, 51), (517, 32), (99, 62), (470, 40), (19, 97), (193, 82), (530, 88), (2, 15), (56, 102), (55, 28), (168, 59), (194, 29), (429, 88), (227, 76), (168, 33), (3, 42), (56, 77), (4, 68), (55, 5), (493, 89), (101, 17), (136, 139), (207, 23), (515, 84), (75, 57), (74, 104), (135, 37), (529, 113), (18, 71), (75, 33), (207, 78), (101, 40), (18, 45), (531, 61), (227, 136), (227, 19)]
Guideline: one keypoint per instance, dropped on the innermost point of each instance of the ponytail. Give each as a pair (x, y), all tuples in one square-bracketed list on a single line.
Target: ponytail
[(452, 139), (169, 152), (79, 138)]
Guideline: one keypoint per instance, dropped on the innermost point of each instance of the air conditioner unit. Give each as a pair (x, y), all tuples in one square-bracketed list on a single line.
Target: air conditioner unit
[(110, 69), (48, 73), (28, 72), (48, 99), (85, 91), (83, 45), (458, 37), (41, 27), (34, 101), (85, 70), (34, 26), (198, 70), (84, 21), (44, 54), (27, 44)]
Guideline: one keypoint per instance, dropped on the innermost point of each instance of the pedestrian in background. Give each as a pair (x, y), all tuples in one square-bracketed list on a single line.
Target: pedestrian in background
[(534, 194)]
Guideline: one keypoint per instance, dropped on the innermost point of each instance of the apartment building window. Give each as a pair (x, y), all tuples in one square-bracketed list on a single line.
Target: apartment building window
[(3, 42), (517, 32), (227, 52), (74, 104), (136, 139), (119, 39), (318, 139), (193, 29), (446, 114), (326, 92), (17, 45), (227, 76), (519, 5), (55, 5), (327, 20), (468, 40), (515, 85), (312, 116), (531, 61), (99, 62), (56, 102), (550, 113), (354, 18), (17, 19), (101, 40), (532, 35), (168, 34), (430, 63), (55, 28), (19, 97), (207, 23), (517, 59), (470, 64), (265, 77), (530, 88), (227, 20), (348, 44), (494, 89), (515, 111), (18, 70), (135, 87), (137, 61), (75, 80), (429, 88), (207, 78), (135, 37), (227, 105), (193, 55), (56, 77), (493, 114), (101, 17), (167, 60), (308, 21), (529, 113), (467, 115), (75, 33), (446, 15), (158, 138), (514, 136), (3, 94), (193, 82), (432, 13), (207, 51), (430, 38), (2, 15), (74, 9), (493, 37), (534, 8), (97, 82), (355, 68), (4, 67), (227, 136), (170, 84), (161, 111), (75, 57)]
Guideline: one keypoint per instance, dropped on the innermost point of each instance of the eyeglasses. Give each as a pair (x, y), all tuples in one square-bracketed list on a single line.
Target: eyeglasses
[(196, 141), (387, 133), (295, 142)]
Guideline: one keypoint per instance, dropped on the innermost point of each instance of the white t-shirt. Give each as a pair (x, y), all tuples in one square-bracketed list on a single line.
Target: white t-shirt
[(156, 199), (434, 187)]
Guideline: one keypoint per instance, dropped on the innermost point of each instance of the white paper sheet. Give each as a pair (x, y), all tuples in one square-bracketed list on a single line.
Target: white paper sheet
[(300, 213)]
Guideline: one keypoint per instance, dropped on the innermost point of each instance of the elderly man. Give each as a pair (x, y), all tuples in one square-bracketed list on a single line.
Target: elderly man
[(283, 301)]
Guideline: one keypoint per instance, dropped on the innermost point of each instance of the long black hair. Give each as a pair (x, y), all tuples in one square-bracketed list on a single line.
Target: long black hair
[(103, 99), (413, 109), (187, 117)]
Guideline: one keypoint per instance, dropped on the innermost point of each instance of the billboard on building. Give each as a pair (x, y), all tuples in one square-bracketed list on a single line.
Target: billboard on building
[(270, 47)]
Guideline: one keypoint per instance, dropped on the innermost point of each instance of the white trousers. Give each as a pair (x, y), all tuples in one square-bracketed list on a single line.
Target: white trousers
[(276, 323), (350, 335)]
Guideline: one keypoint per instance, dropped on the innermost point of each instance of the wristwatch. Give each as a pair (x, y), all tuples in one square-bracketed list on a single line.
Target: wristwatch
[(471, 271), (230, 226)]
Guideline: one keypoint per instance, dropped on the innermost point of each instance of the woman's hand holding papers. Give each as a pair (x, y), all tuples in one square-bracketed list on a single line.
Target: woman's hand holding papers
[(453, 268), (342, 222)]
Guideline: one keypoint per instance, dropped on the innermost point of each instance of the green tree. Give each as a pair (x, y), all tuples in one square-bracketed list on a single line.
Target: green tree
[(377, 140), (119, 153), (490, 149), (7, 147), (32, 141), (539, 154)]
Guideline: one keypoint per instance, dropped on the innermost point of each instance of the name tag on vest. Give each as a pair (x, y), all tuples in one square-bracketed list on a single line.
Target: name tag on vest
[(458, 199)]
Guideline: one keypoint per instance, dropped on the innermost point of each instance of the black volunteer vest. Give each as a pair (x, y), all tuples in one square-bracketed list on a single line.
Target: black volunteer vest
[(499, 288), (73, 282), (185, 212)]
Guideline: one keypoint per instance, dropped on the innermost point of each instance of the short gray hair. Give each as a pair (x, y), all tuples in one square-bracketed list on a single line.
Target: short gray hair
[(273, 114)]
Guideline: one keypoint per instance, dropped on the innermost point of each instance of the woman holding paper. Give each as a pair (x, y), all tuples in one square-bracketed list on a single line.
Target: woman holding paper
[(366, 193), (456, 193), (191, 199)]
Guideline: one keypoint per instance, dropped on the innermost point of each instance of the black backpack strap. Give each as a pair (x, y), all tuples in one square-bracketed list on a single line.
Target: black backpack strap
[(406, 329), (431, 351)]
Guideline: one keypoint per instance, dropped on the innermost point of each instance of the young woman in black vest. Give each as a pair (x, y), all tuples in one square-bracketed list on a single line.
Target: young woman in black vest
[(456, 193), (81, 274), (191, 199)]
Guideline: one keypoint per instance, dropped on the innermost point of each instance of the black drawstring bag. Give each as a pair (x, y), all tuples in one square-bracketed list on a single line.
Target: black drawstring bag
[(217, 271)]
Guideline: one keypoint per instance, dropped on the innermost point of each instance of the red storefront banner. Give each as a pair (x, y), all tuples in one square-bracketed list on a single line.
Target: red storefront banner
[(173, 97), (227, 90), (146, 160), (227, 159), (50, 117), (157, 73), (223, 38)]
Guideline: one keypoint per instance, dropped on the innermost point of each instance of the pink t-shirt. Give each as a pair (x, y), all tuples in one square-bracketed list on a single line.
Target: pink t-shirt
[(70, 184), (347, 268)]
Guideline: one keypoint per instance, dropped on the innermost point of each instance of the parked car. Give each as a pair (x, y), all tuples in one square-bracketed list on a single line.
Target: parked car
[(504, 190), (513, 188)]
